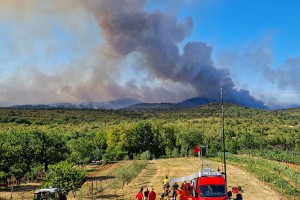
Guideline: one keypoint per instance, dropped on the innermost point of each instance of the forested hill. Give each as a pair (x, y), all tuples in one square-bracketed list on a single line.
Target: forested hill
[(62, 116)]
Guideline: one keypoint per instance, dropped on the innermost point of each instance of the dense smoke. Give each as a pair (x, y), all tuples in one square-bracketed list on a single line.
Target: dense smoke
[(122, 32), (127, 28)]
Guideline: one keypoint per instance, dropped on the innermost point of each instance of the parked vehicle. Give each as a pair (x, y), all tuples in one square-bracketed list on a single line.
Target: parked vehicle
[(205, 185), (47, 194)]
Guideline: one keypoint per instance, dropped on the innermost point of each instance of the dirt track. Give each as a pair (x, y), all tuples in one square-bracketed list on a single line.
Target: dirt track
[(153, 175)]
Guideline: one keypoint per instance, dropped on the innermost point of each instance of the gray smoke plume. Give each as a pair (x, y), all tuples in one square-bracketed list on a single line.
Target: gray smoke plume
[(149, 42), (127, 28)]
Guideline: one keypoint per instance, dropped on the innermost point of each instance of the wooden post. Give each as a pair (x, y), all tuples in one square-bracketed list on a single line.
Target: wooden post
[(12, 188)]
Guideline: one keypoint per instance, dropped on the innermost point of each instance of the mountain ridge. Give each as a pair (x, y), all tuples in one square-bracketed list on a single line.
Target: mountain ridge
[(136, 105), (108, 105), (123, 104)]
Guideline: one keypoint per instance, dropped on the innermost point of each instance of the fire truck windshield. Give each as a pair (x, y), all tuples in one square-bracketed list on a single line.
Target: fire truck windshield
[(212, 190)]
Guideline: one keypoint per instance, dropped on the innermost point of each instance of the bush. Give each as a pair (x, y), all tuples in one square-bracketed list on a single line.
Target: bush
[(22, 121), (126, 173), (145, 155)]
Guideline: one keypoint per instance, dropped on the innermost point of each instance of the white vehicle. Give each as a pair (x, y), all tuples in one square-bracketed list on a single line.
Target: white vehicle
[(47, 194)]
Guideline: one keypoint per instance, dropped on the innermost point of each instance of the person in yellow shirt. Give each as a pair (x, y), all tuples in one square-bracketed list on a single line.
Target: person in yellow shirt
[(165, 180)]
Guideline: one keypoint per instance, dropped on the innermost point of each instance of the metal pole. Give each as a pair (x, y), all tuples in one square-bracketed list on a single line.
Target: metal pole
[(199, 154), (223, 133), (200, 157)]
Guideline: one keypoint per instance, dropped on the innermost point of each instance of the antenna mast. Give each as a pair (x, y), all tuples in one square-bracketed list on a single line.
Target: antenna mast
[(223, 133)]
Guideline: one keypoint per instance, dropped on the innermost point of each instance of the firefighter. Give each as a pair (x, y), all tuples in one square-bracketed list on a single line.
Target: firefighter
[(173, 193), (165, 180), (140, 195), (152, 194)]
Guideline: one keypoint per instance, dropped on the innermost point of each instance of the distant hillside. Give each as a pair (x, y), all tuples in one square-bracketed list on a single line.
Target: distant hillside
[(196, 101), (109, 105), (129, 105), (122, 104), (153, 107), (189, 103)]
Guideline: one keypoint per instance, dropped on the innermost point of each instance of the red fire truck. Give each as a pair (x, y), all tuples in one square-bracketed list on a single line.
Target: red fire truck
[(205, 185)]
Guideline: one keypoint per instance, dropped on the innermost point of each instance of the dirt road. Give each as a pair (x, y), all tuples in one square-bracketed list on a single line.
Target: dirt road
[(153, 176)]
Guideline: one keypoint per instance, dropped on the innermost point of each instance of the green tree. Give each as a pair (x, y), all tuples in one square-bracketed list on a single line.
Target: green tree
[(65, 176), (116, 142), (4, 160), (188, 140), (82, 150), (101, 144), (247, 141), (168, 141), (125, 174), (17, 155), (50, 148), (140, 138)]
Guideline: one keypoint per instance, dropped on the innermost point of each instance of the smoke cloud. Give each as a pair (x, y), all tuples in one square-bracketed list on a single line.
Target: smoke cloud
[(111, 49), (278, 85)]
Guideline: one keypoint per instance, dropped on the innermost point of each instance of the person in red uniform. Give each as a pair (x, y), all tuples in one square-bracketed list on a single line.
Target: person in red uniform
[(152, 194), (140, 195)]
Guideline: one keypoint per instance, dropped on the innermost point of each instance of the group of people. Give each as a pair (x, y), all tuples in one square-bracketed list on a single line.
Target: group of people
[(146, 195), (170, 193)]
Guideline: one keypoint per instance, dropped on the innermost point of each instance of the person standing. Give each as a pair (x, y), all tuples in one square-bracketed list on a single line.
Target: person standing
[(146, 194), (173, 193), (152, 194), (175, 185), (140, 195), (165, 180)]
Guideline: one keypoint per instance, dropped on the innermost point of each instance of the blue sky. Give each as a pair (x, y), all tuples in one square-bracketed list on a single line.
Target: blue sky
[(51, 51)]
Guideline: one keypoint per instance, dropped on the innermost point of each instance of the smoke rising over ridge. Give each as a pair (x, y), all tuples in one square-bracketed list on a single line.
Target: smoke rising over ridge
[(117, 50)]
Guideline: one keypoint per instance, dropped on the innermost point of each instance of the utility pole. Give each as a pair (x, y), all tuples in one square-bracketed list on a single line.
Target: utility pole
[(223, 133)]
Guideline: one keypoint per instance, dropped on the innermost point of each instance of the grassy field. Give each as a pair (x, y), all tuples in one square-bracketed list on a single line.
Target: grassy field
[(103, 179)]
